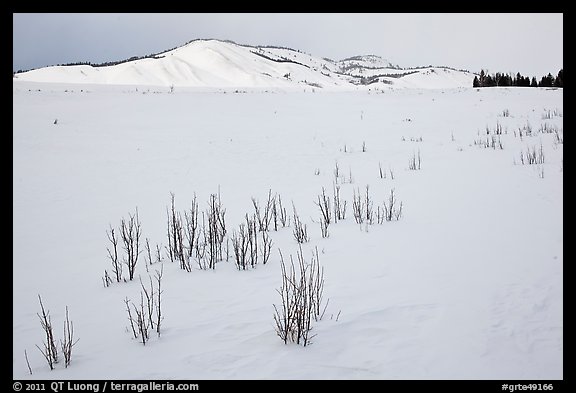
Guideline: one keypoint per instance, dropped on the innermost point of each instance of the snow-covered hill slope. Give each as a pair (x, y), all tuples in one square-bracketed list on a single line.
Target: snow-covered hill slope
[(223, 64)]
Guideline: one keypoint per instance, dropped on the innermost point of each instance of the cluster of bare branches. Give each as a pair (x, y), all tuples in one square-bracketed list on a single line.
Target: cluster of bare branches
[(339, 206), (68, 342), (330, 212), (147, 315), (497, 130), (301, 295), (248, 250), (415, 162), (265, 217), (280, 215), (50, 349), (362, 207), (490, 142), (559, 137), (188, 240), (526, 130), (240, 245), (547, 128), (358, 207), (183, 235), (549, 114), (273, 213), (382, 172), (300, 230), (532, 156), (214, 233), (130, 234), (390, 211), (176, 234), (113, 255)]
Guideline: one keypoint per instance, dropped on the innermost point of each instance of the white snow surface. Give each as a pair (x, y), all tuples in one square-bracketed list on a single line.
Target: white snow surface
[(222, 64), (467, 284)]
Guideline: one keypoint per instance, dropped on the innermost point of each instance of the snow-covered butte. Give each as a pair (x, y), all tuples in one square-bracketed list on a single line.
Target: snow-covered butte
[(224, 64)]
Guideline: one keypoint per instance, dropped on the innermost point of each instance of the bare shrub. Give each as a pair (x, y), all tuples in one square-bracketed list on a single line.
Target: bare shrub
[(337, 170), (381, 172), (300, 232), (50, 350), (559, 137), (350, 178), (492, 141), (131, 232), (113, 255), (358, 207), (339, 207), (106, 280), (142, 321), (415, 162), (240, 244), (265, 216), (316, 286), (68, 342), (368, 207), (325, 212), (548, 114), (391, 210), (191, 231), (176, 237), (532, 156), (252, 229), (147, 314), (281, 213), (213, 233), (266, 247), (159, 317), (301, 295), (547, 128)]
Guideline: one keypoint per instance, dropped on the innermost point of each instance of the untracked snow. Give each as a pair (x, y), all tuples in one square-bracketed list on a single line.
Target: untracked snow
[(467, 284)]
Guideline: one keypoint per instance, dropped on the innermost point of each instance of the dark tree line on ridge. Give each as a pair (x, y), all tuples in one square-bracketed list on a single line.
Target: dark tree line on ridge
[(498, 79)]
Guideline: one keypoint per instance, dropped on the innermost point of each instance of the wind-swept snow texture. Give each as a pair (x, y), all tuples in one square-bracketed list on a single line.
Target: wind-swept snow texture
[(220, 64), (467, 284)]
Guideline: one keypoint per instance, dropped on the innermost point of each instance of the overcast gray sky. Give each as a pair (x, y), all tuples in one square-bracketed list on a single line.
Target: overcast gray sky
[(531, 44)]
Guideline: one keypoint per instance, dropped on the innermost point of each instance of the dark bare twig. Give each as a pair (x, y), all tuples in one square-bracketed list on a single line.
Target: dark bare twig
[(27, 362), (159, 291)]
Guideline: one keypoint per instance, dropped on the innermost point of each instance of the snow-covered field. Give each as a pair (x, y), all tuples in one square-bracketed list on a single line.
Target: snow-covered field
[(467, 284)]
